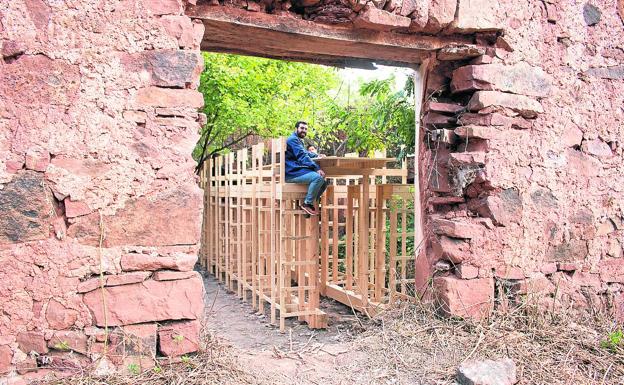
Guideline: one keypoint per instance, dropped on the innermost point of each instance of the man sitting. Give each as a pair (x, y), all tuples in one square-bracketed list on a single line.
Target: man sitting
[(300, 168)]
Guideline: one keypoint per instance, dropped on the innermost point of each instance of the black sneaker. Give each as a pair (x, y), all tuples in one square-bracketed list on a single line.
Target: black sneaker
[(309, 209)]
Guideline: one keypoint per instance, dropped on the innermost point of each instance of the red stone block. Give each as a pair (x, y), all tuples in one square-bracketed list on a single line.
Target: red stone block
[(469, 298), (179, 338), (135, 116), (89, 285), (12, 48), (488, 58), (524, 105), (422, 273), (166, 275), (25, 209), (476, 15), (13, 166), (156, 220), (76, 208), (126, 279), (477, 145), (567, 266), (509, 272), (139, 339), (438, 120), (580, 164), (6, 356), (164, 7), (41, 75), (612, 270), (457, 229), (148, 301), (455, 250), (535, 285), (574, 250), (181, 262), (519, 78), (69, 340), (479, 132), (37, 159), (465, 271), (466, 158), (380, 20), (28, 364), (182, 29), (32, 342), (503, 208), (98, 334), (597, 148), (582, 278), (441, 14), (494, 119), (166, 68), (59, 317), (417, 10), (450, 108), (549, 268), (167, 97)]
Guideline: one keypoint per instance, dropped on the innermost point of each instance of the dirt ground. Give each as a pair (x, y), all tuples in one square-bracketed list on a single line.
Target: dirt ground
[(410, 344), (298, 356)]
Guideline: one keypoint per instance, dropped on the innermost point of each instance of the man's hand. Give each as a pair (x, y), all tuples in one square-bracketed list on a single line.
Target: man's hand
[(321, 173)]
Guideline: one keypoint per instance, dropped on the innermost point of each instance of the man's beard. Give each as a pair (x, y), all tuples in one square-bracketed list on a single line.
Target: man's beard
[(301, 135)]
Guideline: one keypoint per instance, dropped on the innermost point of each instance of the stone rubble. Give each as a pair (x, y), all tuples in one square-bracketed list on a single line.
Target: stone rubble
[(487, 372)]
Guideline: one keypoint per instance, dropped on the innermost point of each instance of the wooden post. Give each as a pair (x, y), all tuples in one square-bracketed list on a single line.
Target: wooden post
[(312, 246), (363, 241), (380, 244), (393, 249), (254, 224), (404, 258), (325, 239), (335, 236), (351, 191), (272, 226), (420, 82)]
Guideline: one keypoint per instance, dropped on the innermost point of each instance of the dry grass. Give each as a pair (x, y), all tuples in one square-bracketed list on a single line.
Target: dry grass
[(410, 344), (215, 364), (415, 346)]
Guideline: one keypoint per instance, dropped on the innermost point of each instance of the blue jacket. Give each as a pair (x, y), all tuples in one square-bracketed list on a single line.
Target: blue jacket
[(298, 160)]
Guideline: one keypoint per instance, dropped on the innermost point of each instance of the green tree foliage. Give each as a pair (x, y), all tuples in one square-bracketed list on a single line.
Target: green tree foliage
[(254, 96), (379, 117)]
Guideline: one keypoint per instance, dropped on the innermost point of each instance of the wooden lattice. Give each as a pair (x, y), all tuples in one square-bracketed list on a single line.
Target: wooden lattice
[(260, 244)]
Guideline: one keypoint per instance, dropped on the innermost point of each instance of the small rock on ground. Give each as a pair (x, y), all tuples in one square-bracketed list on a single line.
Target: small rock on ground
[(487, 372)]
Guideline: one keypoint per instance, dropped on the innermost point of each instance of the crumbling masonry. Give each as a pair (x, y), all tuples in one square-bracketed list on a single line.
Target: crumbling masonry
[(521, 163)]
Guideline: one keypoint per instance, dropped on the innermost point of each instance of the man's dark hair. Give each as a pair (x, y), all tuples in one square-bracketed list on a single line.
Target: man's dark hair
[(300, 122)]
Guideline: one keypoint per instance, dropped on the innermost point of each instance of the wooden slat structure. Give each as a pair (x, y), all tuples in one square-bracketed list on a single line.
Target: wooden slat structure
[(258, 242)]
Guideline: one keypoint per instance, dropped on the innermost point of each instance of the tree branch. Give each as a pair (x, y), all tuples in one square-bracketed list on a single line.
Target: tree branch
[(231, 143)]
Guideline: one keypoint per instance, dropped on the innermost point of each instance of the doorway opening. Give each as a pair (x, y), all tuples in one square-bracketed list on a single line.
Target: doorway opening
[(362, 251)]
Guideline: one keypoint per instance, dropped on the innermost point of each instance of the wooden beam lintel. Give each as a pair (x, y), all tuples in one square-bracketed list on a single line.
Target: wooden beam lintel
[(282, 37)]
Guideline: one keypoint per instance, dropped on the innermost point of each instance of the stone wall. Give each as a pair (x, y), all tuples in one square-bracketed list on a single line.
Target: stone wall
[(526, 163), (98, 117), (101, 212)]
